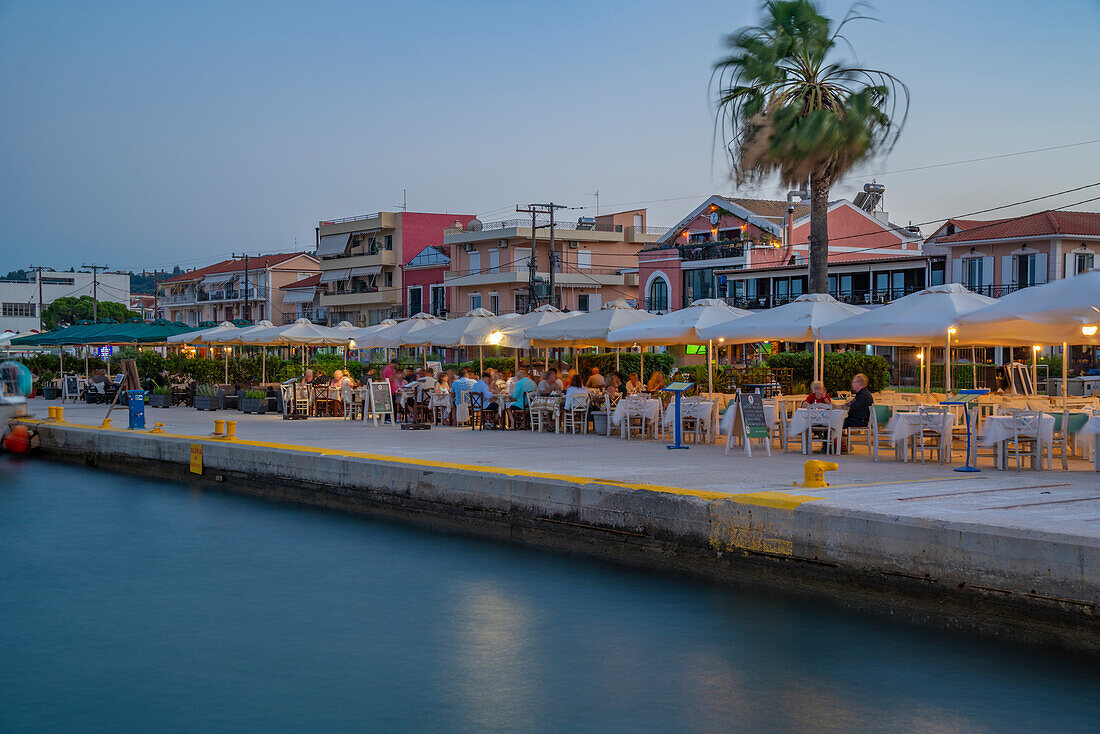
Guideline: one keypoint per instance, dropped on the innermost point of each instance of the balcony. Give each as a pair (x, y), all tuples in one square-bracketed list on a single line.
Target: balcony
[(711, 250), (379, 256), (520, 274), (995, 291), (862, 297), (382, 297)]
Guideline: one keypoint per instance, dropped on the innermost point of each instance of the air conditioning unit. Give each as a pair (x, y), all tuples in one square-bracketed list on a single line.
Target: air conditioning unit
[(574, 244), (468, 247), (502, 244)]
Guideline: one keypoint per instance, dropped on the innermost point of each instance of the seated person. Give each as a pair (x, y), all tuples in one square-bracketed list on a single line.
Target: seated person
[(615, 385), (859, 407), (817, 395), (550, 382), (488, 397), (340, 380), (595, 380), (462, 384), (656, 382), (576, 387), (524, 385), (634, 385)]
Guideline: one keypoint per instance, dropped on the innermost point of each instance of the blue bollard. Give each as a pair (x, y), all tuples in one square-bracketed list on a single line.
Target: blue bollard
[(137, 409)]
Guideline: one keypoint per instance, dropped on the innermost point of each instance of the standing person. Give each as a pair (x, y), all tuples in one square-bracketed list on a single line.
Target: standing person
[(390, 375)]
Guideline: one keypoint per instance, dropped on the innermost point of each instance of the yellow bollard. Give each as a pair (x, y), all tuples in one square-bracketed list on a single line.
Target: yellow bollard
[(53, 413), (157, 428), (815, 473), (219, 428), (106, 423), (230, 430), (59, 414)]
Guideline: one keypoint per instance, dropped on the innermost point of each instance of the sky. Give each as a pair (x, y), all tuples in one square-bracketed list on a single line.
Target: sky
[(149, 134)]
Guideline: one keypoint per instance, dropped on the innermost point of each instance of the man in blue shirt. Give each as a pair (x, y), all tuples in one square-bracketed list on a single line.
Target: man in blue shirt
[(524, 385), (461, 385)]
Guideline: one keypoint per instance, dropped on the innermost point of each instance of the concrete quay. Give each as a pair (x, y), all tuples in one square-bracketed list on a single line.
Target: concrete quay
[(1015, 555)]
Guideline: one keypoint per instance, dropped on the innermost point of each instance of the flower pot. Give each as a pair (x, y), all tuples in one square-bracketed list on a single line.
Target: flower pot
[(51, 393), (599, 422), (253, 405), (207, 402), (160, 401)]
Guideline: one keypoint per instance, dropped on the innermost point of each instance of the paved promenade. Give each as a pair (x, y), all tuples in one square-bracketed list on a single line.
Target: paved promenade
[(1064, 503)]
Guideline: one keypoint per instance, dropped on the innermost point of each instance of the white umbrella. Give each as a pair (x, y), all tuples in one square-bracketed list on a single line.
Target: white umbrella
[(926, 317), (458, 332), (1062, 312), (407, 332), (510, 330), (797, 321), (588, 329), (366, 336), (240, 335), (202, 337)]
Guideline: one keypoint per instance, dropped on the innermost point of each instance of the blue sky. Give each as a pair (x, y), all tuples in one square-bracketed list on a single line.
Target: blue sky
[(144, 134)]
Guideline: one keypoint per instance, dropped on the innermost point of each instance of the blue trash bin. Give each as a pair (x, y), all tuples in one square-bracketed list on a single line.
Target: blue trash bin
[(137, 409)]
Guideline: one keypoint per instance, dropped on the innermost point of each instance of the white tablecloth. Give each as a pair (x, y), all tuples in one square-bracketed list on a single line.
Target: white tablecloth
[(800, 421), (902, 425), (1087, 438), (441, 400), (998, 428), (651, 409), (702, 411)]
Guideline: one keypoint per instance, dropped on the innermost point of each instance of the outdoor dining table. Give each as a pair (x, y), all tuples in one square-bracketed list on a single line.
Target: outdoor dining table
[(1087, 438), (325, 400), (998, 428), (440, 400), (650, 409), (903, 425), (801, 421)]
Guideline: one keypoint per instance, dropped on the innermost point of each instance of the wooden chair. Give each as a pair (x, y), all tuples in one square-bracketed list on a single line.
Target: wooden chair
[(520, 415), (1026, 428), (477, 410)]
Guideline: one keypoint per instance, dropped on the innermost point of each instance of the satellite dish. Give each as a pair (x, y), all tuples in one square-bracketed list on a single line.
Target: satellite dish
[(474, 225)]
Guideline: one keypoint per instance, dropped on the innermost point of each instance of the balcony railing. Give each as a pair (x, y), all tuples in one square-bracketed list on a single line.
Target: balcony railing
[(995, 291), (853, 297), (711, 250)]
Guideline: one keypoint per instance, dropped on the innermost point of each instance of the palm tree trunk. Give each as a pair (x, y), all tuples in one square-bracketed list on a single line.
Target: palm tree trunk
[(819, 235)]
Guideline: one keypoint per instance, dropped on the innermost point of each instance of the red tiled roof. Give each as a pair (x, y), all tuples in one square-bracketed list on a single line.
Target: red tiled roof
[(229, 266), (313, 280), (1040, 224)]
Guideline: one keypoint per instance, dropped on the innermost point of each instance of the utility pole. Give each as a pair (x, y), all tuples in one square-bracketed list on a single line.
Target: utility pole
[(39, 268), (531, 265), (95, 288), (534, 209), (246, 313), (156, 295)]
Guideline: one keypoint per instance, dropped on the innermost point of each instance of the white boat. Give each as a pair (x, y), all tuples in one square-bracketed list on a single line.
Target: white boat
[(15, 380)]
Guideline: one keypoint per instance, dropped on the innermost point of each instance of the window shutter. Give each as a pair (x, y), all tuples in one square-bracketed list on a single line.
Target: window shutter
[(987, 271), (1071, 265), (1041, 267), (956, 270), (1008, 270)]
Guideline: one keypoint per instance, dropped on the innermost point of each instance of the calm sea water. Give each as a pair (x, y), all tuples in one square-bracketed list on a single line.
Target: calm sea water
[(132, 605)]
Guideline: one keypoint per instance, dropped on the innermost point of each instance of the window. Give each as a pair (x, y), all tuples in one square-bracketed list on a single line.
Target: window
[(1085, 261), (389, 278), (657, 299), (937, 274), (494, 303), (19, 310), (584, 260), (416, 300), (638, 218), (494, 262), (582, 301), (475, 262), (1025, 270), (475, 301), (439, 300), (973, 269), (389, 242), (47, 280)]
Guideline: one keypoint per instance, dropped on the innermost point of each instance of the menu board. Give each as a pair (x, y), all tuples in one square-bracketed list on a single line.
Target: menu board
[(752, 415), (71, 387), (381, 399)]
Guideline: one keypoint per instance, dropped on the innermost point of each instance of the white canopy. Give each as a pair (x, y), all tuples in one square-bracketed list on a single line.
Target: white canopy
[(302, 331), (797, 321), (206, 336), (512, 332), (684, 326), (407, 331), (456, 332), (241, 335), (367, 336), (1062, 311), (588, 329), (920, 318)]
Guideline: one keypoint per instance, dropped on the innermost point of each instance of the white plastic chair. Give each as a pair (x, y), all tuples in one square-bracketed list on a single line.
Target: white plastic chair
[(935, 422), (1026, 429), (576, 417)]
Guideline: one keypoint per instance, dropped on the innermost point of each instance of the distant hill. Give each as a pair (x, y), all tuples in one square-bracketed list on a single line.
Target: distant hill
[(144, 282)]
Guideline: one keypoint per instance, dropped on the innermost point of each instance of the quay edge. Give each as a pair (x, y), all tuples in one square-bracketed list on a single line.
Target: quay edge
[(1039, 588)]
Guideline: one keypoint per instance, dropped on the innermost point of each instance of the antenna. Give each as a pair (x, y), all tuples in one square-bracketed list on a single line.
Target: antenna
[(597, 195), (404, 205)]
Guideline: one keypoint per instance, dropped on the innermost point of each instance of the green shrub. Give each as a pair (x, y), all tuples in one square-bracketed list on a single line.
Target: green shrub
[(158, 390), (205, 390), (256, 395), (628, 362), (839, 369)]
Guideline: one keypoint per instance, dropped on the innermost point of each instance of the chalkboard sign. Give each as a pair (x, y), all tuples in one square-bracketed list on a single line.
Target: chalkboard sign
[(752, 415), (70, 387), (381, 399)]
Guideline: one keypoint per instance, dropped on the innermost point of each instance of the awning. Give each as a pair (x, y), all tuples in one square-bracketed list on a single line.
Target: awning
[(366, 270), (333, 244), (217, 281), (328, 276), (302, 296)]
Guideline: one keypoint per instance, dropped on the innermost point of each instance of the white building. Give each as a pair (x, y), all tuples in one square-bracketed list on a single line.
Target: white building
[(19, 299)]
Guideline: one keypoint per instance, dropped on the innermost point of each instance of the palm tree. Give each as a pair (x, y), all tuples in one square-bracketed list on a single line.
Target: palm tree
[(786, 106)]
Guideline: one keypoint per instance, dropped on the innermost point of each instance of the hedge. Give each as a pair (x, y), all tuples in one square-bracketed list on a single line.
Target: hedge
[(839, 369), (628, 362)]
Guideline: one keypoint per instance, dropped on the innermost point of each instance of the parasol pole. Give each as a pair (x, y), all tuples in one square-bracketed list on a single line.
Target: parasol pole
[(710, 368), (616, 359), (547, 368), (1035, 370), (641, 363), (947, 364), (481, 359), (1065, 383), (263, 358), (816, 347), (516, 371)]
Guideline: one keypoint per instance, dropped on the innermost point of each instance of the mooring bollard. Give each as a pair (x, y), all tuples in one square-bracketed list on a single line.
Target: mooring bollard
[(106, 423), (157, 428), (60, 414), (219, 428), (53, 413), (815, 472), (231, 430)]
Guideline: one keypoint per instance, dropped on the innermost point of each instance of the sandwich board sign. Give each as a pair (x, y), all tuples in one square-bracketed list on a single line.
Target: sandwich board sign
[(751, 422), (381, 401)]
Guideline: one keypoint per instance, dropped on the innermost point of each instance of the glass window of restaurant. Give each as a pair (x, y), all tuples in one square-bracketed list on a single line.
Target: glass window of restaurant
[(698, 284), (475, 301), (657, 299)]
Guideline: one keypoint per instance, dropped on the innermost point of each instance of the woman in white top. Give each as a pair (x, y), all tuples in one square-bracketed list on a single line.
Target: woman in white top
[(576, 387)]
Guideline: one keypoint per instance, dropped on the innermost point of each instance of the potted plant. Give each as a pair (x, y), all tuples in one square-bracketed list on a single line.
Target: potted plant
[(254, 401), (206, 397), (47, 382), (160, 397)]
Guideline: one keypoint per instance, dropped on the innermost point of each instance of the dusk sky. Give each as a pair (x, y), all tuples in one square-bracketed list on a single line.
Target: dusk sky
[(148, 134)]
